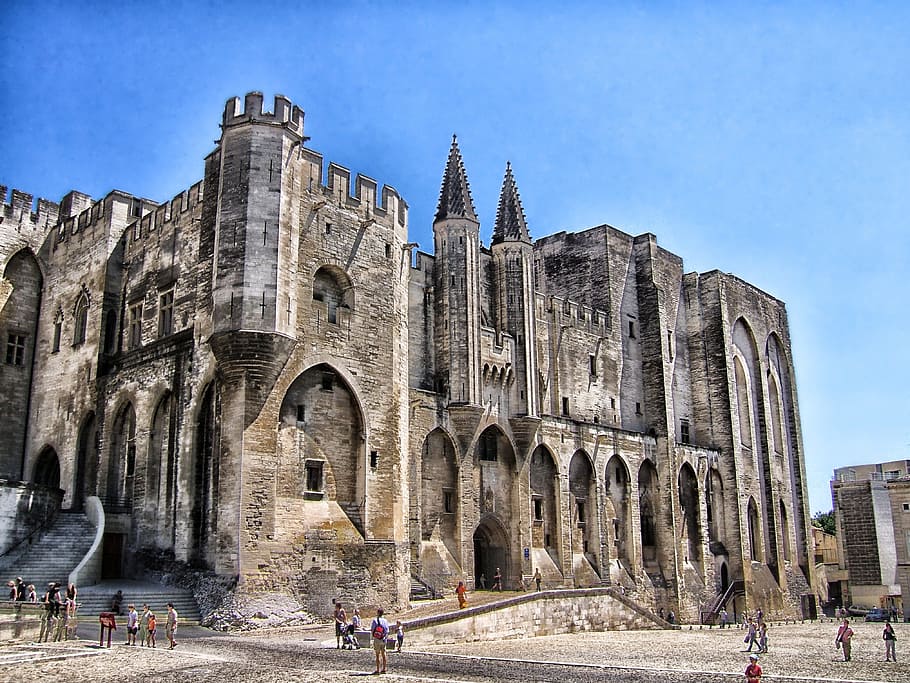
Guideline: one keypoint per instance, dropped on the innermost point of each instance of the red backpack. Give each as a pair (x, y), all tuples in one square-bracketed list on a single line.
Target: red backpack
[(380, 631)]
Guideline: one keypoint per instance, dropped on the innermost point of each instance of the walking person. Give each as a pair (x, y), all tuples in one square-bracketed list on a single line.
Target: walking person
[(751, 636), (763, 637), (153, 627), (723, 618), (753, 671), (144, 626), (537, 578), (341, 624), (497, 580), (171, 626), (399, 635), (461, 592), (844, 638), (132, 625), (890, 639), (379, 629)]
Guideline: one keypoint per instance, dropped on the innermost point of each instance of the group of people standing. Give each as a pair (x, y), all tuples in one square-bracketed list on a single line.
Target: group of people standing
[(145, 626), (58, 608), (346, 634), (844, 640)]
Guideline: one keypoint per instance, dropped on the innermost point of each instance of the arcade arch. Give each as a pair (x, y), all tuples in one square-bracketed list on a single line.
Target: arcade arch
[(47, 469)]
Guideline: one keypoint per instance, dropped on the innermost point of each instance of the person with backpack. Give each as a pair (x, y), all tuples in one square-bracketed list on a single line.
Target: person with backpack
[(380, 631)]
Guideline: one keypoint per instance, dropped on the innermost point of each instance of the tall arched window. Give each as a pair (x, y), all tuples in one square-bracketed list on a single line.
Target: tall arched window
[(80, 315)]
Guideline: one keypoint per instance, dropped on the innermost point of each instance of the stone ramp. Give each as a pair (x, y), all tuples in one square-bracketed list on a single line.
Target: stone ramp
[(494, 616)]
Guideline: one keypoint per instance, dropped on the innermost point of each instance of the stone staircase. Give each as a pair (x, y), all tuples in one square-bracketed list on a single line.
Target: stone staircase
[(96, 599), (420, 590), (52, 555)]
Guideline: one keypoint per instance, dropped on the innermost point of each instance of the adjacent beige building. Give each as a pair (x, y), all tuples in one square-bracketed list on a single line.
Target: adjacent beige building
[(872, 510)]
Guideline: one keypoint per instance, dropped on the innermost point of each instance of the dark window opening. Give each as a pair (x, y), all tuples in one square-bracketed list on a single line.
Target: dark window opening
[(166, 313), (638, 408), (81, 321), (538, 509), (328, 228), (612, 403), (388, 251), (301, 412), (135, 330), (488, 447), (580, 512), (592, 365), (15, 349), (565, 405), (314, 475), (328, 382), (631, 329), (58, 333), (448, 501), (546, 540), (684, 430), (374, 459)]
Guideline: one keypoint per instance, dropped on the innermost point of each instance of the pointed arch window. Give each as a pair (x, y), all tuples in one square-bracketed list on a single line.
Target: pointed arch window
[(80, 314), (58, 330)]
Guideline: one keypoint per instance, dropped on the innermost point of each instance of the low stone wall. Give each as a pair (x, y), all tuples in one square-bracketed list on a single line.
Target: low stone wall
[(25, 507), (535, 614), (20, 621)]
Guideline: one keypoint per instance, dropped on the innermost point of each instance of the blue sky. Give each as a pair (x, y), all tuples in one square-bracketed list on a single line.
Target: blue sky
[(770, 140)]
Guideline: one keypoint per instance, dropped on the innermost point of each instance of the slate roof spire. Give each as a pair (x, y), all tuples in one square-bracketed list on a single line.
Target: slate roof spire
[(510, 223), (455, 195)]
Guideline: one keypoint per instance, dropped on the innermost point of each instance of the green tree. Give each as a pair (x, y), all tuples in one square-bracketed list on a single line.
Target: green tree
[(824, 521)]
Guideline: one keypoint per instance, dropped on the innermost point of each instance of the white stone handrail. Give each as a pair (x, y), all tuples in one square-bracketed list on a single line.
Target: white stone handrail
[(88, 571)]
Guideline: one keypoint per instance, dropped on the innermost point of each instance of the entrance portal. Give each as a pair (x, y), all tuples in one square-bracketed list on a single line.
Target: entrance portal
[(491, 552)]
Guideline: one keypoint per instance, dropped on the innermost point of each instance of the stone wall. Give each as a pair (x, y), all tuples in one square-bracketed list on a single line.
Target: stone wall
[(23, 509), (537, 614)]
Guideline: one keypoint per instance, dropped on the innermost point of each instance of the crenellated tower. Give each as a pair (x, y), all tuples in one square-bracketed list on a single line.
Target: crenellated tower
[(258, 165), (457, 283), (513, 262)]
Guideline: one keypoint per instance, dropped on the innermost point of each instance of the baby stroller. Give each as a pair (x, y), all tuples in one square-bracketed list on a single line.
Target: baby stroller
[(349, 639)]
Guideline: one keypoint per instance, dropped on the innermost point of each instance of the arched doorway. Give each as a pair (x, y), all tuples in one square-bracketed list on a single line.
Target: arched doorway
[(207, 471), (544, 502), (618, 484), (724, 577), (47, 469), (491, 552)]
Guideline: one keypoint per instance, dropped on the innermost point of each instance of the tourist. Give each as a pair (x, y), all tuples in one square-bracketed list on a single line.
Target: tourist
[(483, 581), (497, 580), (47, 614), (13, 593), (355, 620), (341, 624), (759, 616), (753, 671), (890, 639), (723, 618), (844, 638), (20, 589), (399, 635), (537, 578), (379, 629), (751, 636), (132, 625), (144, 626), (31, 594), (71, 621), (171, 626), (671, 617), (116, 601), (153, 625), (461, 592), (763, 637)]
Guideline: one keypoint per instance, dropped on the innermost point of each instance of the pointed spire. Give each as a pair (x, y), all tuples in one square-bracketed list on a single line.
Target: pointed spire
[(510, 216), (455, 196)]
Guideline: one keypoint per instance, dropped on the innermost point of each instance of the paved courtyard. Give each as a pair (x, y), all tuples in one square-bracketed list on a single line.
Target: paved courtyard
[(799, 652)]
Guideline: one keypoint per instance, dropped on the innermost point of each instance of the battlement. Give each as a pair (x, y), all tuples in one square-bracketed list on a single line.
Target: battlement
[(364, 194), (162, 216), (285, 114), (572, 314), (22, 212)]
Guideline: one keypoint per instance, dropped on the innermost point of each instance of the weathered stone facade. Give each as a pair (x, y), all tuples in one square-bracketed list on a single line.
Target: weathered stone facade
[(264, 377)]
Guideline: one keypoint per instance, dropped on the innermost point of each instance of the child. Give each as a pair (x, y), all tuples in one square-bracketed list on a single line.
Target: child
[(399, 635), (152, 625)]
